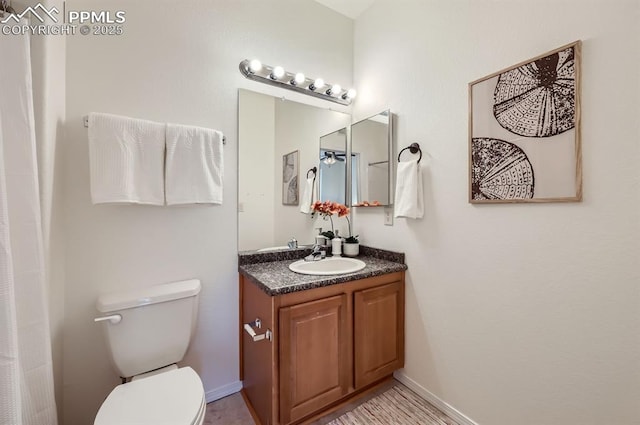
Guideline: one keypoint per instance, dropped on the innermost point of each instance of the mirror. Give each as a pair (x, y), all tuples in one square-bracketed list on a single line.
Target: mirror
[(371, 150), (270, 130), (332, 173)]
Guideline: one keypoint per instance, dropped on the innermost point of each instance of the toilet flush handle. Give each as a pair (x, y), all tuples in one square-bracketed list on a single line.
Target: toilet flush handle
[(114, 319)]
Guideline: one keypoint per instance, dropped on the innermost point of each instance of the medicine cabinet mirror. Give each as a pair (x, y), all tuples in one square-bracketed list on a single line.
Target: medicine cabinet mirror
[(372, 156)]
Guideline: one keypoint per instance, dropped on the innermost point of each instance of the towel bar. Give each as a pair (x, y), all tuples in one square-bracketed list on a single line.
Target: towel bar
[(248, 328), (313, 170), (85, 121), (413, 148)]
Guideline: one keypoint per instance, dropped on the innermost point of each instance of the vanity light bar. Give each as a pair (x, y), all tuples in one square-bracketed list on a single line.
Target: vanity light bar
[(277, 76)]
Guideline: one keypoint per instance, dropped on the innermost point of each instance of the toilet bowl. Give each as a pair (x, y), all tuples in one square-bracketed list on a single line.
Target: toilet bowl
[(174, 397)]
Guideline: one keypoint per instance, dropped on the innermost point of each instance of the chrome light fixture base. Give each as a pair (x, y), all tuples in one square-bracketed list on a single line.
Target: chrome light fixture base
[(265, 74)]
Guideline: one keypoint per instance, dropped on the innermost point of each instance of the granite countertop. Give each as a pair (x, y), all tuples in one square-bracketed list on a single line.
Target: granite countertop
[(271, 270)]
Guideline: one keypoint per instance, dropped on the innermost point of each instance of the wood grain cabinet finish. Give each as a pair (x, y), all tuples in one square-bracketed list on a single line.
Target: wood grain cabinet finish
[(328, 345), (313, 356), (378, 328)]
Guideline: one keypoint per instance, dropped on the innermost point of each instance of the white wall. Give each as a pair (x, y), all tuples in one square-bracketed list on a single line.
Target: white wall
[(175, 62), (516, 314)]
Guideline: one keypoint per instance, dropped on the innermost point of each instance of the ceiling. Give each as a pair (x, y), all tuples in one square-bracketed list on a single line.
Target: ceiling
[(350, 8)]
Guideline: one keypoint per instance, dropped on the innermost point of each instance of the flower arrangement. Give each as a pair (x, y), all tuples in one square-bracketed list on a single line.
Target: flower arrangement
[(328, 209), (352, 239)]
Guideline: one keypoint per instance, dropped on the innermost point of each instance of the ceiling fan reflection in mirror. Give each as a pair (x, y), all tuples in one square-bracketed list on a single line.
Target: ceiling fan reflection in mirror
[(331, 157)]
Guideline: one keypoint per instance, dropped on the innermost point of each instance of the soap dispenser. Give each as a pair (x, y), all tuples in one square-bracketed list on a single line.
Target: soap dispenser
[(336, 245), (321, 239)]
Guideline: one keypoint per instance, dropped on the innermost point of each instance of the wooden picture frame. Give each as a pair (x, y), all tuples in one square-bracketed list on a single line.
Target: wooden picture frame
[(524, 131), (290, 179)]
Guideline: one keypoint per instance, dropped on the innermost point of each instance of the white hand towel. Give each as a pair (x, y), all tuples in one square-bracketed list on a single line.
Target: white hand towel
[(409, 197), (194, 166), (307, 196), (126, 159)]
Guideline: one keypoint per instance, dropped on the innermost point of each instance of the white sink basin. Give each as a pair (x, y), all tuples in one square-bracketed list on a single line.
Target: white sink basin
[(328, 266), (273, 248)]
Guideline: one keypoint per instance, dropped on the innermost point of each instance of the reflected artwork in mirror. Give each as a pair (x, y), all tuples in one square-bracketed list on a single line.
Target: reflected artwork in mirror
[(371, 150), (268, 129)]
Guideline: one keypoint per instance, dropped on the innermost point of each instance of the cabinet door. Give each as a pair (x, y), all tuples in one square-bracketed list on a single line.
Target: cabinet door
[(378, 332), (313, 356)]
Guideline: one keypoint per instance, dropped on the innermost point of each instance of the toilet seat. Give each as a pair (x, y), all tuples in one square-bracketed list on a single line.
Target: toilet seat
[(175, 397)]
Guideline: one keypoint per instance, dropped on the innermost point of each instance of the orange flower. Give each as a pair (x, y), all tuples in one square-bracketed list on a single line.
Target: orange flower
[(329, 208)]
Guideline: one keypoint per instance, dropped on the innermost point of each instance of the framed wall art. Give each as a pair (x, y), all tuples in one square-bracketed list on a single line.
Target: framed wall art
[(290, 179), (524, 131)]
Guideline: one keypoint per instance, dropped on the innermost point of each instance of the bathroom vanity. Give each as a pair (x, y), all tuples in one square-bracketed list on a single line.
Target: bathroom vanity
[(317, 340)]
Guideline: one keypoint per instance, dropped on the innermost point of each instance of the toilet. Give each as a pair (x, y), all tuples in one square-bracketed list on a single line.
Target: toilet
[(148, 331)]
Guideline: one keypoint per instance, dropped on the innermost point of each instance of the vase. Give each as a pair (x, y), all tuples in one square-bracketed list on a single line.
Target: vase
[(351, 249)]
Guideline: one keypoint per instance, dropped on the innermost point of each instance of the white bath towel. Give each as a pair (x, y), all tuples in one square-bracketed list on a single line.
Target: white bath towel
[(409, 201), (307, 195), (126, 159), (194, 165)]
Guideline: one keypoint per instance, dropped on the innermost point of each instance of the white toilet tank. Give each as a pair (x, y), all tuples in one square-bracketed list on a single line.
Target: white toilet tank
[(156, 327)]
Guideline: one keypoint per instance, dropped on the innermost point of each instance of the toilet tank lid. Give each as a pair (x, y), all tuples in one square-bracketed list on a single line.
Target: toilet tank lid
[(131, 298)]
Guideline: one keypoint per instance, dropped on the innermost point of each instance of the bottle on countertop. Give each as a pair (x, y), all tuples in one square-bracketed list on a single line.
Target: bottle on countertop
[(321, 240), (336, 245)]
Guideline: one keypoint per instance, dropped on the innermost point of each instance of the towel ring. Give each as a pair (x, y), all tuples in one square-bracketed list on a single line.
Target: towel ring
[(313, 170), (413, 148)]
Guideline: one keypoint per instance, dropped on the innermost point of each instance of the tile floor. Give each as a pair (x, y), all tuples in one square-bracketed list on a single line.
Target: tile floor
[(232, 410)]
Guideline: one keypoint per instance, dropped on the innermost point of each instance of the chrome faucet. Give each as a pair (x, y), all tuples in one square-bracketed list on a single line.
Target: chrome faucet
[(317, 254), (292, 244)]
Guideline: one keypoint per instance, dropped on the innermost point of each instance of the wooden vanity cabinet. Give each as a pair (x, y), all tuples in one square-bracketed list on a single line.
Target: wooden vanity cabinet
[(328, 344)]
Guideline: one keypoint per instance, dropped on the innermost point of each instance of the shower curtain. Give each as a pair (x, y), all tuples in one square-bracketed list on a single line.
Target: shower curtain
[(26, 376)]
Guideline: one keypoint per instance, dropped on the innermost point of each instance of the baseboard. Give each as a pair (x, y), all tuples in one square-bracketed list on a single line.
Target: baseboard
[(223, 391), (445, 407)]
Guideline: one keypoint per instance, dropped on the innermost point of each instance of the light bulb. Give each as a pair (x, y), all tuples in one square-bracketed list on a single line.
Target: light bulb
[(335, 89), (330, 158), (277, 73), (350, 94), (299, 78), (254, 66), (317, 84)]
